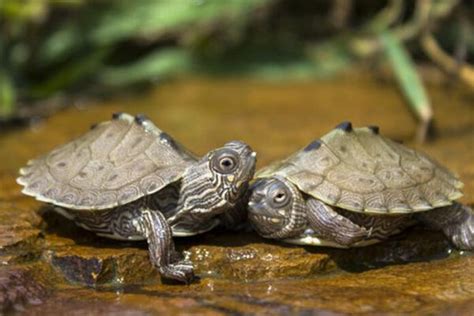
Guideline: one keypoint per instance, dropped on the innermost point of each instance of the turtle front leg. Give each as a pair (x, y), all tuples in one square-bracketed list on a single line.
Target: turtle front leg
[(455, 221), (330, 225), (160, 244)]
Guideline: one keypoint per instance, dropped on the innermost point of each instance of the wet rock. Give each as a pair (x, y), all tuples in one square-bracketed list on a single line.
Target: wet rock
[(256, 259), (84, 301), (424, 288), (460, 309), (78, 307), (84, 258), (21, 285), (20, 235), (96, 266)]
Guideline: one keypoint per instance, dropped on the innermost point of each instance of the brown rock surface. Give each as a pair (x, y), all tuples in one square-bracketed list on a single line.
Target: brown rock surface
[(20, 236), (23, 285)]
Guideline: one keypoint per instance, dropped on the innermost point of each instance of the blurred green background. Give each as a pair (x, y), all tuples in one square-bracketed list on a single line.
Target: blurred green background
[(52, 51)]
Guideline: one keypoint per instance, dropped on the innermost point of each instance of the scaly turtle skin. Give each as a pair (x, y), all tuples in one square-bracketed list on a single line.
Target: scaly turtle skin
[(127, 179), (354, 187)]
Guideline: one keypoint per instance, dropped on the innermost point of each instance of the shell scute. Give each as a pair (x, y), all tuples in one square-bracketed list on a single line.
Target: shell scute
[(149, 183), (321, 160), (345, 147), (351, 201), (354, 180), (396, 201), (128, 194), (377, 148), (69, 196), (106, 141), (416, 199), (307, 182), (375, 203), (329, 192), (93, 175), (133, 143), (106, 198), (418, 169), (395, 178)]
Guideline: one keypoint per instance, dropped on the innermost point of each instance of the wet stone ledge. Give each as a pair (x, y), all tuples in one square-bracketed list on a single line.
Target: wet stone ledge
[(92, 267), (258, 261), (20, 233), (83, 258)]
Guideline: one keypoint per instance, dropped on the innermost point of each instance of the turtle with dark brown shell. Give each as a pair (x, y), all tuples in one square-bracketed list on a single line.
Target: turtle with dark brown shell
[(127, 179), (354, 187)]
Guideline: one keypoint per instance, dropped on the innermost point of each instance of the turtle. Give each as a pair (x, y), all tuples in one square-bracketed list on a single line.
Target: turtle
[(126, 179), (353, 187)]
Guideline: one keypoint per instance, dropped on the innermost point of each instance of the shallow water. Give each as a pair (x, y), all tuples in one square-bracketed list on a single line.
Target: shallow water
[(63, 269)]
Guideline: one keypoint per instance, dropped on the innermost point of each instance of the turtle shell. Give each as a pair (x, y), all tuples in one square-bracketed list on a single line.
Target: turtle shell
[(116, 162), (362, 171)]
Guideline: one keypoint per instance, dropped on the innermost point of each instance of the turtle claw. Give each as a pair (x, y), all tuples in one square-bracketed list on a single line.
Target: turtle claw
[(182, 271)]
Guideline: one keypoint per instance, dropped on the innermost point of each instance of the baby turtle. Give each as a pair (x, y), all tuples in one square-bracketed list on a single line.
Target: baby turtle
[(126, 179), (354, 187)]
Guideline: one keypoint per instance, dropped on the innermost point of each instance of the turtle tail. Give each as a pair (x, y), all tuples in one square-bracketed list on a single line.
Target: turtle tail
[(456, 221)]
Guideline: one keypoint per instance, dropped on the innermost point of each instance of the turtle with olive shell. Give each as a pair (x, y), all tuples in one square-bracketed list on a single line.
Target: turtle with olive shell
[(126, 179), (354, 187)]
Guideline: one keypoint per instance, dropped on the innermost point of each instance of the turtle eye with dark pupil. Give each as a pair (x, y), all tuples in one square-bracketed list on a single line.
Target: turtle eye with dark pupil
[(280, 197), (227, 163)]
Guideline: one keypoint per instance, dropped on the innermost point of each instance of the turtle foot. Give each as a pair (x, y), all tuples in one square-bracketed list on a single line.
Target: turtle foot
[(456, 221), (182, 271), (462, 234)]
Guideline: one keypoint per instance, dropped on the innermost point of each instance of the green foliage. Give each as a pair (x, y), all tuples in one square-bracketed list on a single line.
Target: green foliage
[(146, 20), (159, 65), (7, 96), (69, 74), (50, 47), (407, 77), (109, 43)]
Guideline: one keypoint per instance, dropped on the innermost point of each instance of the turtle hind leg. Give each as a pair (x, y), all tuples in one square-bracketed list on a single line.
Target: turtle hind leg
[(456, 221), (160, 244)]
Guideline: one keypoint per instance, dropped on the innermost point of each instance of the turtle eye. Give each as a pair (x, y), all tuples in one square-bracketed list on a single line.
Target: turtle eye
[(225, 161), (280, 198), (279, 195)]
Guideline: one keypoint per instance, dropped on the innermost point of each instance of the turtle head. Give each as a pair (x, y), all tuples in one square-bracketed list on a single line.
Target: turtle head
[(215, 183), (276, 208), (232, 167)]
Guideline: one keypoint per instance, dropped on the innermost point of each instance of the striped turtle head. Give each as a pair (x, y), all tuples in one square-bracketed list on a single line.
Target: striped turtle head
[(276, 208), (215, 183), (232, 167)]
